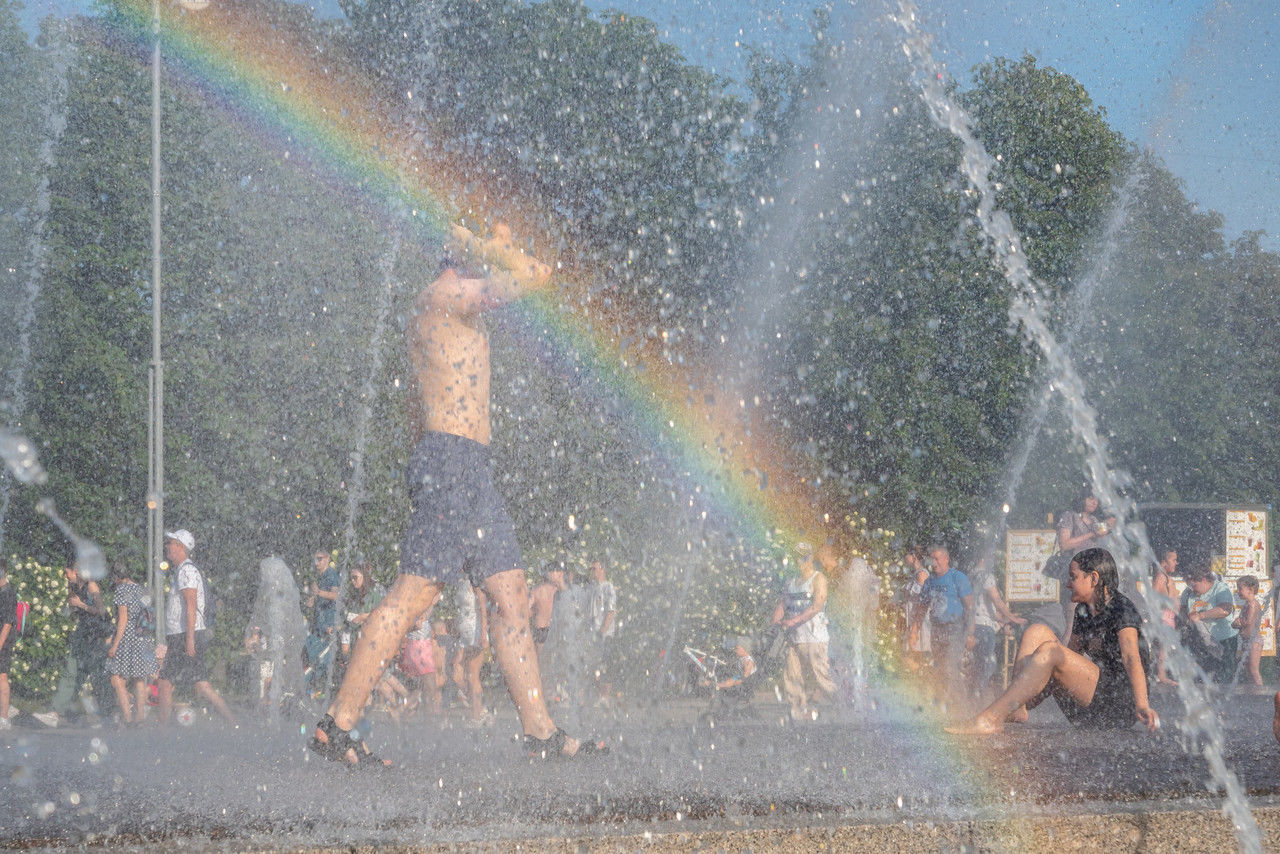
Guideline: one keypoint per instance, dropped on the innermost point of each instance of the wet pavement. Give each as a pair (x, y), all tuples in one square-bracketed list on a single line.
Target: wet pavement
[(885, 764)]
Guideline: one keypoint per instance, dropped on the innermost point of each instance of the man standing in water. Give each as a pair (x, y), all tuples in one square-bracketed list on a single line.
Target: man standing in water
[(458, 528), (186, 636)]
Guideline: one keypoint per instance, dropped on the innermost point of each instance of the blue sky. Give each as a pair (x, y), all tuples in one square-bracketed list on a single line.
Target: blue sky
[(1197, 81)]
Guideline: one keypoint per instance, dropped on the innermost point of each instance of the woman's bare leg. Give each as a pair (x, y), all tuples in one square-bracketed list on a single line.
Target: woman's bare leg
[(122, 698), (140, 690), (1051, 661)]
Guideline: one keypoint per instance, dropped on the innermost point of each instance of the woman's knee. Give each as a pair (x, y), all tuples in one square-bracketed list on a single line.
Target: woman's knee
[(1049, 653)]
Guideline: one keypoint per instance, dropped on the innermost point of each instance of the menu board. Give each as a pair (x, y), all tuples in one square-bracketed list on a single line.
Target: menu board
[(1247, 549), (1247, 553), (1025, 555)]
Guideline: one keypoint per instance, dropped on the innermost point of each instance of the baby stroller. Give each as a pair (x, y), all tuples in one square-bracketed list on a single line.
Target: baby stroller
[(766, 651)]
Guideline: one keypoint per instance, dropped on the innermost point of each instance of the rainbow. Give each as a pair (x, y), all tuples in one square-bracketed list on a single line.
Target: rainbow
[(259, 62)]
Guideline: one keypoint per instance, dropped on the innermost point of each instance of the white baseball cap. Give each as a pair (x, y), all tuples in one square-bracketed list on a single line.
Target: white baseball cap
[(183, 536)]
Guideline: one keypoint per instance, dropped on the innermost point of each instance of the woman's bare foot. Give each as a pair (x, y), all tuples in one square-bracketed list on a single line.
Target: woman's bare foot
[(1019, 715), (977, 726)]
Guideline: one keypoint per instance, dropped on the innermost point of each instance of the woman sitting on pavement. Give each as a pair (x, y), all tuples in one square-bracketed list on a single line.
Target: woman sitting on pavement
[(1098, 677)]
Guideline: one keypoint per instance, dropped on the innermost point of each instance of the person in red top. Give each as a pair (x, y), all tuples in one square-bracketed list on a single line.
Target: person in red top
[(8, 633)]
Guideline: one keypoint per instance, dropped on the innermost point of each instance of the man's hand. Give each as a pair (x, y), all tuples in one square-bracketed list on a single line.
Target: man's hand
[(191, 646), (501, 252)]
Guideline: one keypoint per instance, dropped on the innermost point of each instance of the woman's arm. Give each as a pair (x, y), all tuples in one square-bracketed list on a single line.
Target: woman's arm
[(1067, 542), (1132, 661), (122, 617)]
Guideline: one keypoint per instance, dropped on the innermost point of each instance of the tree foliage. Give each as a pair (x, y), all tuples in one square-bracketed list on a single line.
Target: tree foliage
[(805, 236)]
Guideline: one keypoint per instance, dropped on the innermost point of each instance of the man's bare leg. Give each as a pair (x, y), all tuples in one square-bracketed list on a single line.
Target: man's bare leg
[(205, 689), (166, 700), (379, 642), (513, 650)]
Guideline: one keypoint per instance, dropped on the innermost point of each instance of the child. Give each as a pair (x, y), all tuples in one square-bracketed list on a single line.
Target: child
[(1248, 622)]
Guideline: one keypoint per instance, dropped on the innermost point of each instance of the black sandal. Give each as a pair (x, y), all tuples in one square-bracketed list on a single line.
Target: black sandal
[(552, 747), (338, 743)]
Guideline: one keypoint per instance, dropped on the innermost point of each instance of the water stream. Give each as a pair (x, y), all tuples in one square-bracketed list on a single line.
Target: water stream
[(55, 122), (1029, 310)]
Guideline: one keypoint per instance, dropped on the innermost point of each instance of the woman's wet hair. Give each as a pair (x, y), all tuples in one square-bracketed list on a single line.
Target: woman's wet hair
[(1083, 494), (1100, 561)]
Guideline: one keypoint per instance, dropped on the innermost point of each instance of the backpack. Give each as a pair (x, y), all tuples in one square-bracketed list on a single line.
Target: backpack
[(210, 606), (146, 620)]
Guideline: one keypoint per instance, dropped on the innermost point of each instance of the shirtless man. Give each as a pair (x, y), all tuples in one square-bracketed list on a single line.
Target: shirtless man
[(458, 527), (542, 601)]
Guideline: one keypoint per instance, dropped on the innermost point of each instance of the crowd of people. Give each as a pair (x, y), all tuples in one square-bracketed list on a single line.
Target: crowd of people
[(374, 643), (1097, 660)]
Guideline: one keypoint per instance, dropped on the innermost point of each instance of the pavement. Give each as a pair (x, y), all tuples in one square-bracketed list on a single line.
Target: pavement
[(879, 776)]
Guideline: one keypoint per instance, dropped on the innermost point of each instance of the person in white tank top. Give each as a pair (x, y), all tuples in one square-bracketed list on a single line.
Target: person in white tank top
[(801, 612)]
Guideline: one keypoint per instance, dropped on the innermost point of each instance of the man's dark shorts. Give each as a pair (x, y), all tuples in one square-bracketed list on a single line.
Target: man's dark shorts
[(458, 522), (6, 658), (181, 669)]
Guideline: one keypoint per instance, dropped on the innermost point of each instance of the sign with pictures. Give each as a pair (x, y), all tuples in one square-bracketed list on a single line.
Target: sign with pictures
[(1026, 553)]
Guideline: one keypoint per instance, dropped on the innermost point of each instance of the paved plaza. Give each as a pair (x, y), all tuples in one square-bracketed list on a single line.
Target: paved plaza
[(883, 775)]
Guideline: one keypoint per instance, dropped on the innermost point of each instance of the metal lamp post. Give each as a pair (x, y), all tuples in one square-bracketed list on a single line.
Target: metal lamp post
[(155, 426)]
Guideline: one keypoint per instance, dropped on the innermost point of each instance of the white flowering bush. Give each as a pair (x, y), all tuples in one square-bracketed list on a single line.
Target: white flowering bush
[(42, 648)]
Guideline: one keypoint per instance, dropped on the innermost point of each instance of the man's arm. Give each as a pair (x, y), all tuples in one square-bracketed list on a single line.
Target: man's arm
[(969, 615), (189, 605), (1003, 611), (509, 274), (4, 633)]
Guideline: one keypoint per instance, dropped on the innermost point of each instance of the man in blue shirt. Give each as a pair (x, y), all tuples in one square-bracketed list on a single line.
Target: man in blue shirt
[(323, 600), (948, 598)]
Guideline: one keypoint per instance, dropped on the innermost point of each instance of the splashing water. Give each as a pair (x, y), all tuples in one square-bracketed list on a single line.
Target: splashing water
[(90, 560), (16, 393), (20, 457), (1028, 310), (356, 490), (1081, 301), (276, 610)]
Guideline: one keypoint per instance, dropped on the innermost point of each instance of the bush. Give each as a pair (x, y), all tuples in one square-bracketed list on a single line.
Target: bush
[(42, 649)]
